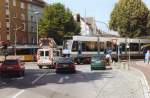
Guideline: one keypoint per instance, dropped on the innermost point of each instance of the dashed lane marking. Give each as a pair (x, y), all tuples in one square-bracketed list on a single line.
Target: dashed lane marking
[(38, 78), (61, 80), (19, 93)]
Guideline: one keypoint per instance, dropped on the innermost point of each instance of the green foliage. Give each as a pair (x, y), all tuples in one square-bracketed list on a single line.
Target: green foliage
[(130, 18), (58, 22), (148, 24)]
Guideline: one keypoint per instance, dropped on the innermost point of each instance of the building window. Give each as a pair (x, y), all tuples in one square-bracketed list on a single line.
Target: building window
[(7, 11), (7, 20), (0, 24), (7, 16), (7, 28), (32, 29), (22, 5), (6, 4), (14, 15), (7, 1), (8, 24), (22, 16), (8, 36), (24, 27), (14, 2)]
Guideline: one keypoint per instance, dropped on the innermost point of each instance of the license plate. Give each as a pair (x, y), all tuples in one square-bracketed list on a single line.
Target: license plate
[(65, 65), (9, 67)]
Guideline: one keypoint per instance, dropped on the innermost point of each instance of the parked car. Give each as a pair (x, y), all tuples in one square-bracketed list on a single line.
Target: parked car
[(12, 67), (97, 63), (65, 64)]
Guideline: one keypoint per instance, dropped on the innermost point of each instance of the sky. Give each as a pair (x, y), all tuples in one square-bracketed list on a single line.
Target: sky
[(99, 9)]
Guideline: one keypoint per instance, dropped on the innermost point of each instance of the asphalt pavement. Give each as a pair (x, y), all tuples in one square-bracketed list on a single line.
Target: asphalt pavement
[(45, 83)]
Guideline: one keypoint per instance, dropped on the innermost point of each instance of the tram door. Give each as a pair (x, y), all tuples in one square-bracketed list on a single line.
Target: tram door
[(108, 47)]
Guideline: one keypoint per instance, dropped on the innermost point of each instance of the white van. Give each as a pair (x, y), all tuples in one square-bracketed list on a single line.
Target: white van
[(47, 57)]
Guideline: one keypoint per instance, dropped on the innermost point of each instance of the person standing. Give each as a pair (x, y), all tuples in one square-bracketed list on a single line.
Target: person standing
[(108, 58), (147, 56)]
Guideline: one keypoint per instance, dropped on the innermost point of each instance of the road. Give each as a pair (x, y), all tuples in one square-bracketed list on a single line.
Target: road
[(85, 83)]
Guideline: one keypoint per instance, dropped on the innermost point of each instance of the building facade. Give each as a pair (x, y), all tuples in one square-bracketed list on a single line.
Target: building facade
[(35, 10), (14, 20)]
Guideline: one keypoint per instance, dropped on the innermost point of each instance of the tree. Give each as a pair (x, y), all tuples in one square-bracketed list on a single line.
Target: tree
[(148, 23), (57, 22), (129, 18)]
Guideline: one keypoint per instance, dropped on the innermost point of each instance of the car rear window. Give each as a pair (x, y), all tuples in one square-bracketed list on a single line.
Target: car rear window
[(46, 53), (65, 61), (10, 62), (41, 53)]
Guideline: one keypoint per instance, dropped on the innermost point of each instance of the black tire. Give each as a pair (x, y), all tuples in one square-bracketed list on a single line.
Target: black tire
[(2, 75), (23, 73), (57, 71), (73, 72), (40, 67), (51, 67)]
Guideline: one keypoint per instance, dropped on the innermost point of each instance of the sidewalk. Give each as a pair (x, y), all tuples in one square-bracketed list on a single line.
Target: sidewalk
[(143, 67), (135, 69)]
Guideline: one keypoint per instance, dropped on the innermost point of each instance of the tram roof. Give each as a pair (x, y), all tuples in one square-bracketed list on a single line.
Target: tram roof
[(104, 39)]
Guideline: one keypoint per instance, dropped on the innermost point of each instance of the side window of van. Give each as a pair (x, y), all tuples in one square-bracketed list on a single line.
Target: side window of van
[(41, 53)]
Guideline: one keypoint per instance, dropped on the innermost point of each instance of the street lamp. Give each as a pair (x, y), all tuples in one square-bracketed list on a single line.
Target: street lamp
[(37, 34), (128, 47), (98, 40), (16, 37), (118, 52), (103, 23)]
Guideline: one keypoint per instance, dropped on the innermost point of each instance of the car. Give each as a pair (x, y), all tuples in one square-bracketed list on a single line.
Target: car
[(97, 63), (12, 67), (65, 64)]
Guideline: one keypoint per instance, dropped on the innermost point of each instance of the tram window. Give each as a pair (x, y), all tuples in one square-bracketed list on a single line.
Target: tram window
[(134, 46), (109, 44), (83, 46), (123, 46), (26, 51), (101, 46), (75, 46), (90, 46), (23, 51), (114, 47)]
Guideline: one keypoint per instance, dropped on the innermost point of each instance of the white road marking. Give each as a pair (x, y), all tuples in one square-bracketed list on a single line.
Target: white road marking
[(66, 77), (61, 80), (19, 93), (38, 78)]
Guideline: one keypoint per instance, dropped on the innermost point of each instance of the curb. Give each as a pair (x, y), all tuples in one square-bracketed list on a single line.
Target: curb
[(144, 83), (143, 80)]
